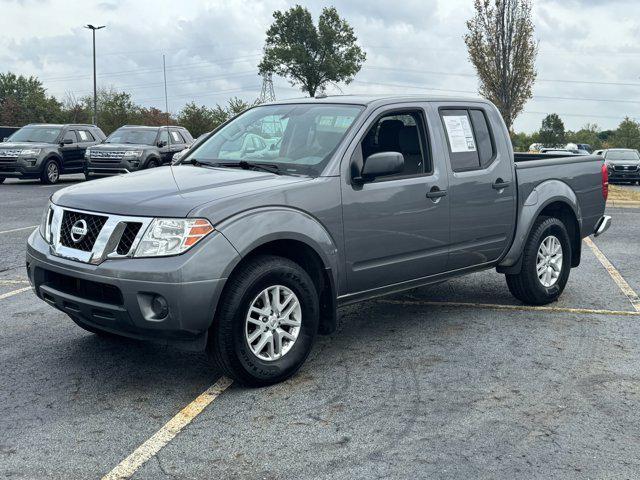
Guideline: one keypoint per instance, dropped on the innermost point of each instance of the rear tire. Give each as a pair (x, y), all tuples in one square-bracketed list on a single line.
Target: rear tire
[(50, 172), (544, 275), (230, 345)]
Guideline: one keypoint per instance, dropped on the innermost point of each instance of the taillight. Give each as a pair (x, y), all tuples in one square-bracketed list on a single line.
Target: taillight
[(605, 181)]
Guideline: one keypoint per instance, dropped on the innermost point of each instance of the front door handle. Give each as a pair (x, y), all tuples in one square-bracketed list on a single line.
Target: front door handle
[(435, 193), (500, 184)]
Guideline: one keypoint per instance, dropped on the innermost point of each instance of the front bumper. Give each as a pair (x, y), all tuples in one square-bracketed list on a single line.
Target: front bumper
[(21, 168), (105, 167), (624, 175), (116, 296)]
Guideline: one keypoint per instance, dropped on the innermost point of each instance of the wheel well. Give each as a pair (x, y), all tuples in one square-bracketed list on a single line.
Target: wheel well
[(565, 213), (305, 256), (150, 158)]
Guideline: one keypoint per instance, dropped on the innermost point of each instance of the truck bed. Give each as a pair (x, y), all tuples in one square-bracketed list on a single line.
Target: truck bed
[(582, 173)]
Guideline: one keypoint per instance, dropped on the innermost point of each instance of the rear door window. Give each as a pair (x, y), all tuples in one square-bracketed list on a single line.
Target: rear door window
[(471, 144), (176, 137)]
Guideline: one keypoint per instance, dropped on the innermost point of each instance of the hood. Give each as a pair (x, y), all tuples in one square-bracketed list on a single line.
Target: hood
[(167, 191), (14, 145), (120, 146)]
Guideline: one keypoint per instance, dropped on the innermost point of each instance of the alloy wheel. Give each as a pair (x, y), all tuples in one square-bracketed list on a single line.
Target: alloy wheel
[(273, 323), (549, 261)]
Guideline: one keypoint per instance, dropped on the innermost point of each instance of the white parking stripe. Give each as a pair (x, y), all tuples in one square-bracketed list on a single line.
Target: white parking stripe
[(14, 292), (19, 229), (519, 308), (13, 282), (162, 437), (615, 274)]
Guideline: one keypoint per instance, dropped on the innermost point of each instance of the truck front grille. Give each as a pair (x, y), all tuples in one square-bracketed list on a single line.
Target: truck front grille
[(107, 156), (6, 154), (128, 237), (96, 236), (94, 224), (625, 168)]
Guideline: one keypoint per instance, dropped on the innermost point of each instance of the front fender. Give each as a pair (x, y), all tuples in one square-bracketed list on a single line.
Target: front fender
[(249, 230), (540, 197)]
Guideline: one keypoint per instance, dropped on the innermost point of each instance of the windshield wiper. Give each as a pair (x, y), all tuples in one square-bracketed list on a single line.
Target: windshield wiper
[(243, 164), (265, 167), (200, 163)]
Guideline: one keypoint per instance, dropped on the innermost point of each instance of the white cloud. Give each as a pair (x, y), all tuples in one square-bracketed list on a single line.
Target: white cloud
[(213, 49)]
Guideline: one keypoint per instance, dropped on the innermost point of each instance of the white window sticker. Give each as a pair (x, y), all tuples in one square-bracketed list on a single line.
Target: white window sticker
[(459, 133)]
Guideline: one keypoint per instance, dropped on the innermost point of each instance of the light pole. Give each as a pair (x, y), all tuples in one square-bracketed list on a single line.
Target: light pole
[(95, 89)]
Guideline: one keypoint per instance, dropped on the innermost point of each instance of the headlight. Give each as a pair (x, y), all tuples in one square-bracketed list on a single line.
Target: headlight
[(172, 236), (45, 224), (28, 152), (133, 153)]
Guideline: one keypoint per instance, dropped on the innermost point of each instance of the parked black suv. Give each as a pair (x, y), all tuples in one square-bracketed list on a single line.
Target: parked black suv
[(46, 151), (134, 147)]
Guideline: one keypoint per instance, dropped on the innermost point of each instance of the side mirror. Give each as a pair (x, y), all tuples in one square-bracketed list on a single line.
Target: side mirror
[(381, 164), (162, 143), (5, 139), (66, 141)]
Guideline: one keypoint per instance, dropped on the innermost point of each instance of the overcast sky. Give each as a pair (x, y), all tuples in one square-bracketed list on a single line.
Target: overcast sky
[(588, 68)]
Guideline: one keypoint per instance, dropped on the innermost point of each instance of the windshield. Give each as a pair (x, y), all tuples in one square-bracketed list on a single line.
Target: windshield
[(130, 135), (298, 139), (36, 134), (622, 155)]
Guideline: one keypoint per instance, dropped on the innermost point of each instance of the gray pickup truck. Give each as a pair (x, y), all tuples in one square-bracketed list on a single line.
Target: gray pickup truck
[(250, 259)]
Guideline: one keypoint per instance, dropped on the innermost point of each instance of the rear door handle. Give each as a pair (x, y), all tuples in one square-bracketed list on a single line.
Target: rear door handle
[(500, 184), (435, 192)]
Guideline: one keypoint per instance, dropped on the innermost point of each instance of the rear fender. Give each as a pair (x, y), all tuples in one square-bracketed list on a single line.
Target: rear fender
[(543, 195)]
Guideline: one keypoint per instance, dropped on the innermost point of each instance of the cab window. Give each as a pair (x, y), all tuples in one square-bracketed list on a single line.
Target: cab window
[(401, 132)]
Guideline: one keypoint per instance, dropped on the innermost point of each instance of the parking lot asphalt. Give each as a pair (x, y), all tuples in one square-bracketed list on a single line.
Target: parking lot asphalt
[(456, 380)]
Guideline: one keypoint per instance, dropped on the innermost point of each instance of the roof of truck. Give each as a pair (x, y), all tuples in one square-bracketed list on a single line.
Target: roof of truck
[(380, 99)]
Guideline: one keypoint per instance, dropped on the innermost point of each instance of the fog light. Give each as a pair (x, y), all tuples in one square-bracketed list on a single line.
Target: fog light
[(159, 306)]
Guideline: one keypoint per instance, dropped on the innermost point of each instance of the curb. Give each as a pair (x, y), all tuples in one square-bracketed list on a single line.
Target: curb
[(623, 203)]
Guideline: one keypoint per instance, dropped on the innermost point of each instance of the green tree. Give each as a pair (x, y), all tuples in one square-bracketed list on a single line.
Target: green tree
[(588, 134), (627, 135), (114, 109), (24, 100), (196, 119), (503, 51), (522, 141), (552, 132), (311, 56), (154, 117)]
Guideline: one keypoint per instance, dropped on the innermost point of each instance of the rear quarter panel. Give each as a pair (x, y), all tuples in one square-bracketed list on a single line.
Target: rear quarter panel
[(574, 181)]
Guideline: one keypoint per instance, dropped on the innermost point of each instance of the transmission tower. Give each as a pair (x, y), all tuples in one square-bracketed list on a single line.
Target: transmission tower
[(267, 94)]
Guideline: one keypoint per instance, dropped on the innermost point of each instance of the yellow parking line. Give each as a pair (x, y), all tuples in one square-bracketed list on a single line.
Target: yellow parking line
[(19, 229), (162, 437), (525, 308), (14, 292), (615, 274)]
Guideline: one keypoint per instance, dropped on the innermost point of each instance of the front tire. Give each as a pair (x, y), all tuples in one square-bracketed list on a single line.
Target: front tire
[(546, 264), (266, 322), (153, 163), (50, 172)]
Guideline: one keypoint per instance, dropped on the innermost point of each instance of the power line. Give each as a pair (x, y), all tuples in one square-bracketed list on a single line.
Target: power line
[(472, 75), (204, 63)]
